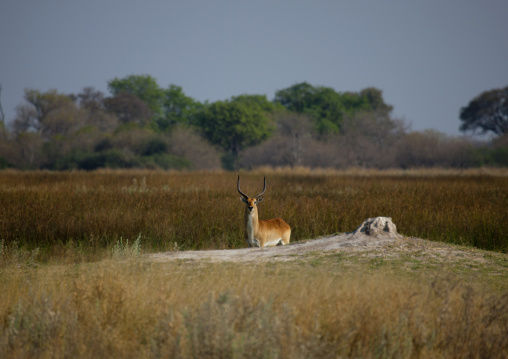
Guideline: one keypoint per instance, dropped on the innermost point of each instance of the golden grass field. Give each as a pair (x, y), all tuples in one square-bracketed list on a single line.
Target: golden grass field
[(71, 288), (203, 211)]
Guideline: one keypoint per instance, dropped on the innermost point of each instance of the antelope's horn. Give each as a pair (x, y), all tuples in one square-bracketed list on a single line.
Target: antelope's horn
[(239, 190), (264, 188)]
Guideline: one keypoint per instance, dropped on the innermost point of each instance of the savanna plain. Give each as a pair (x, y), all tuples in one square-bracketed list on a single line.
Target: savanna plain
[(77, 281)]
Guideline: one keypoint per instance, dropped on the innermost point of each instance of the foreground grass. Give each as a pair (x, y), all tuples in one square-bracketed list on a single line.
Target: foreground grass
[(79, 214), (318, 306)]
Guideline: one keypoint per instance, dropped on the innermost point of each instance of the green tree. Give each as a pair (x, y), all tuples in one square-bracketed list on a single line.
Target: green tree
[(168, 107), (144, 87), (486, 112), (296, 98), (327, 107), (177, 108), (235, 125), (375, 99), (260, 102)]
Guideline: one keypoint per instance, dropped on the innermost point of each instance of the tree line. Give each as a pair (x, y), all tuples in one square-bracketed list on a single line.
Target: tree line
[(140, 124)]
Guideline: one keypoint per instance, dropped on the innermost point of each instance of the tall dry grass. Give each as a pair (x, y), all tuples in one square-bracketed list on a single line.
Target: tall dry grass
[(139, 310), (81, 213)]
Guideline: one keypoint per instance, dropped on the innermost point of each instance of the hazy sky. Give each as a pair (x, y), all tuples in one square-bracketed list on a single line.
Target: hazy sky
[(430, 58)]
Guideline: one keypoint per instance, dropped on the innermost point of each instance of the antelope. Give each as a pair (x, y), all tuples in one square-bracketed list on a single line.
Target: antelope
[(262, 233)]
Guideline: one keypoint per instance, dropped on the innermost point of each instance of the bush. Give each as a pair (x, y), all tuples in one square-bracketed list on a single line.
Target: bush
[(121, 250), (5, 163), (165, 161), (154, 147), (93, 160)]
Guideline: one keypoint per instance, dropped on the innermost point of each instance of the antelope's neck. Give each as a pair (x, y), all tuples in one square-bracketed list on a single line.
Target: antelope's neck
[(251, 223)]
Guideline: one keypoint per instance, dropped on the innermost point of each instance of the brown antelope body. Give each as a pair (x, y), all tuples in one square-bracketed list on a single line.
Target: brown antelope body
[(262, 233)]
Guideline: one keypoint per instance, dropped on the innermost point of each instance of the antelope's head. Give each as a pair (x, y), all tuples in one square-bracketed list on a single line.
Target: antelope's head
[(251, 202)]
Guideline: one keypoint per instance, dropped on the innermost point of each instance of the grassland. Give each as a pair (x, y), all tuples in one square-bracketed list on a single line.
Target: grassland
[(73, 286), (88, 212)]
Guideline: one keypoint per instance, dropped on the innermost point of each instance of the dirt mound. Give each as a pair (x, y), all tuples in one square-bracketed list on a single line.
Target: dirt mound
[(373, 233), (379, 227)]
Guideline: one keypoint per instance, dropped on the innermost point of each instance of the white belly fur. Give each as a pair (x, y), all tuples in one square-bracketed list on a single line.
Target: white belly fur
[(273, 243)]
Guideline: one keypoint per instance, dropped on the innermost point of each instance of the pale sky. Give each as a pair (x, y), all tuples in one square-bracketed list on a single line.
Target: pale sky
[(430, 58)]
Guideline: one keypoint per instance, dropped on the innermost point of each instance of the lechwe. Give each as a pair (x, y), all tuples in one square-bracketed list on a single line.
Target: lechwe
[(262, 233)]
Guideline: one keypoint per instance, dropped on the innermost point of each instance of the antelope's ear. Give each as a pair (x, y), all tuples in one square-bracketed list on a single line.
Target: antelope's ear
[(243, 200), (260, 199)]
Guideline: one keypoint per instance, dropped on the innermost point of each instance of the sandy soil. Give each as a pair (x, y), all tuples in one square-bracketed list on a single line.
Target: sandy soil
[(347, 243), (279, 253)]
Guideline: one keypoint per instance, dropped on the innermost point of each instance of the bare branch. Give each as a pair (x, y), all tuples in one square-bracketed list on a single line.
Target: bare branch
[(2, 114)]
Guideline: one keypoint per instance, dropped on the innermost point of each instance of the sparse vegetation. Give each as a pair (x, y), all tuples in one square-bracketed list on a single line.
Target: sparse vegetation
[(124, 250)]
